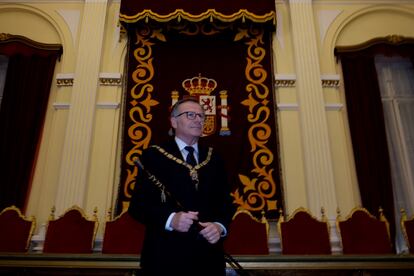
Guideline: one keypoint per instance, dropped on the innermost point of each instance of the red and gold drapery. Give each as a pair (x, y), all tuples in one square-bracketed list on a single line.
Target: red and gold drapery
[(260, 11), (226, 44)]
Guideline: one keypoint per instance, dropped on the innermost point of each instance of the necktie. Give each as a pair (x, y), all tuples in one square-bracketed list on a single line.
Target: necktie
[(190, 156)]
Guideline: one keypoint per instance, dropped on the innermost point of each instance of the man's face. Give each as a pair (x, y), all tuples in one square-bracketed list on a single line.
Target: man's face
[(185, 129)]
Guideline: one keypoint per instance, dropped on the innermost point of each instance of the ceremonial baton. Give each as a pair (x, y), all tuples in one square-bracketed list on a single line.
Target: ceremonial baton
[(165, 193)]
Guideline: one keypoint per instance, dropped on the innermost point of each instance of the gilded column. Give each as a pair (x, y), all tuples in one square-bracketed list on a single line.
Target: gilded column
[(72, 185), (314, 126)]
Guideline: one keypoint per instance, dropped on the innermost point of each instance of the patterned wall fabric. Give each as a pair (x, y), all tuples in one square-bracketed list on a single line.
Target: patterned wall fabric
[(228, 66)]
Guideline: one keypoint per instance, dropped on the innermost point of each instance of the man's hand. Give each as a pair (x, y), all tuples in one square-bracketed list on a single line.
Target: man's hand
[(182, 221), (211, 232)]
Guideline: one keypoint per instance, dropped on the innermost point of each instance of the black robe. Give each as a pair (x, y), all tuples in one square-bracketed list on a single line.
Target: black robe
[(170, 252)]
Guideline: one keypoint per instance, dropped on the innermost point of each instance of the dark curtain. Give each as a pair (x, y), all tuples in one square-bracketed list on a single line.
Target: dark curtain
[(367, 126), (26, 93), (366, 122)]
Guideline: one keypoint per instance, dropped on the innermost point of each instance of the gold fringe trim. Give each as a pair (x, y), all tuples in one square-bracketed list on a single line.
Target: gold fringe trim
[(211, 14)]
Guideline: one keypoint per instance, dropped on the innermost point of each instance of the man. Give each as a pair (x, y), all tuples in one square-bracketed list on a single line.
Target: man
[(186, 208)]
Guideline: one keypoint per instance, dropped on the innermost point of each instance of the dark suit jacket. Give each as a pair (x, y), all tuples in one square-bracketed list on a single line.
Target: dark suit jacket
[(169, 252)]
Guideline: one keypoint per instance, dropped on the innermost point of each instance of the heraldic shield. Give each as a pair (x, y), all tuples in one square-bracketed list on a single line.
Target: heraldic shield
[(202, 88)]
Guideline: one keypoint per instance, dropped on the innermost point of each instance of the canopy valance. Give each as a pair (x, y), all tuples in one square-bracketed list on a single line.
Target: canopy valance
[(136, 11)]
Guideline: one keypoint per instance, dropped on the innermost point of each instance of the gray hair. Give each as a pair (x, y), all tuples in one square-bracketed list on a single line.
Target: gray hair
[(174, 108)]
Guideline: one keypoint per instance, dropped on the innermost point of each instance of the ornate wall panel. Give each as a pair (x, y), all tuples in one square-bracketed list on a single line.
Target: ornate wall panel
[(228, 66)]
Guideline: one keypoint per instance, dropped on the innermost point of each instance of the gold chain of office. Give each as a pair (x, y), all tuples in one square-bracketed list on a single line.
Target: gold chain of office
[(193, 170)]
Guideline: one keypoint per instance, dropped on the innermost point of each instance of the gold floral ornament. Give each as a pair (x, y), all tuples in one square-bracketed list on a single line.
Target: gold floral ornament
[(141, 104), (257, 190)]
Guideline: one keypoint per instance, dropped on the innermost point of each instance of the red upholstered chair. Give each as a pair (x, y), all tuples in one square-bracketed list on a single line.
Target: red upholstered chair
[(15, 230), (362, 233), (303, 234), (407, 226), (247, 235), (123, 235), (72, 232)]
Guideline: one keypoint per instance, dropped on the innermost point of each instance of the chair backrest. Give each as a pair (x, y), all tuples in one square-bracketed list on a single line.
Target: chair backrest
[(407, 226), (247, 235), (72, 232), (362, 233), (123, 235), (304, 234), (15, 230)]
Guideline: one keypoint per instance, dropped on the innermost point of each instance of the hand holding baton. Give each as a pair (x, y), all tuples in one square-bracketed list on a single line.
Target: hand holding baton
[(164, 193)]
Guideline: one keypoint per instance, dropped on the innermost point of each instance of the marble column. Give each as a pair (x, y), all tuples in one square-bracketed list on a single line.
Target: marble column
[(76, 151), (313, 117)]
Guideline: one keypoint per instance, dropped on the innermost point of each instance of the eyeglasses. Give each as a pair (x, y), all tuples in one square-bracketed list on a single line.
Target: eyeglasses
[(191, 115)]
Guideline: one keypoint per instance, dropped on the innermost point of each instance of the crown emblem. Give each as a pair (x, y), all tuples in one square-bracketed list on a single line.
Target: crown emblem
[(199, 85)]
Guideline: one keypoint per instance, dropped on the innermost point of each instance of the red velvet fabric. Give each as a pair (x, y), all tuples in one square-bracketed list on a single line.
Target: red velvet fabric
[(363, 234), (304, 235), (15, 231), (409, 230), (246, 236), (71, 233), (123, 235)]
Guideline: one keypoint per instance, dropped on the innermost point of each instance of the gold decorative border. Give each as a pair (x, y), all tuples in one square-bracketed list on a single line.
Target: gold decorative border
[(303, 209), (262, 219), (298, 210), (32, 220), (356, 209), (211, 14), (254, 194), (390, 39), (82, 212), (140, 112), (6, 38), (257, 192), (404, 219), (109, 217)]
